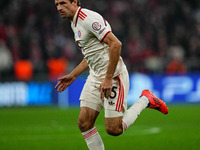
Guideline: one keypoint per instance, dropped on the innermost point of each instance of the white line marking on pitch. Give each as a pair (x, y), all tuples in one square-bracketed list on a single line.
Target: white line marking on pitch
[(135, 131)]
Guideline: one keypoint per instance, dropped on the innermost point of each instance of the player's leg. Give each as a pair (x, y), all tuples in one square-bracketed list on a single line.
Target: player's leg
[(89, 109), (116, 124), (117, 121), (133, 112), (87, 118), (146, 100), (116, 108)]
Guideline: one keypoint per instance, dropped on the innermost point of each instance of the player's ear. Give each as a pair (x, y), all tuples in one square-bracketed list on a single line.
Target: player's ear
[(75, 2)]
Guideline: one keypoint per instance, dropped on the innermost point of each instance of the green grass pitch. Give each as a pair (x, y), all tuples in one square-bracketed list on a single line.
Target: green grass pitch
[(50, 128)]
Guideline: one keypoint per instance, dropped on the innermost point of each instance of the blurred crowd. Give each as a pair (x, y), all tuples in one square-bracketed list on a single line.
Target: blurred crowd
[(158, 36)]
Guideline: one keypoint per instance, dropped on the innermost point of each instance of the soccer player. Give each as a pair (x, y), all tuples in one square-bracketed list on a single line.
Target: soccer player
[(107, 85)]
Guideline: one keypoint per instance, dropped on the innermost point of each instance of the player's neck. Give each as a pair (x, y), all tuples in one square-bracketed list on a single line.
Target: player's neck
[(74, 12)]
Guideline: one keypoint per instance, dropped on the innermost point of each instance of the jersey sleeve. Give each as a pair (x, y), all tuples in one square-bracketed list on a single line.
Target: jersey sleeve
[(98, 26)]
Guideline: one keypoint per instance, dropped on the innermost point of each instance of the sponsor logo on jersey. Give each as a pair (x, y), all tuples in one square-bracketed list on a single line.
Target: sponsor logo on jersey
[(111, 103), (96, 26)]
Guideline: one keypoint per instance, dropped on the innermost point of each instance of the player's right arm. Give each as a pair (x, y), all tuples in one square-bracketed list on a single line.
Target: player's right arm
[(68, 79)]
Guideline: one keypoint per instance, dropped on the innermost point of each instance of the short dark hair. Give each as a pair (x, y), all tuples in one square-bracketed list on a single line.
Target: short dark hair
[(78, 2)]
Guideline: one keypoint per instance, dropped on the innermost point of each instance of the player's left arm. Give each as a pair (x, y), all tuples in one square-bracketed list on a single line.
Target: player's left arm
[(114, 54)]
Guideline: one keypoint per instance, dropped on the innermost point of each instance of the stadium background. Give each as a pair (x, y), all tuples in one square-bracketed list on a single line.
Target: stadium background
[(161, 48)]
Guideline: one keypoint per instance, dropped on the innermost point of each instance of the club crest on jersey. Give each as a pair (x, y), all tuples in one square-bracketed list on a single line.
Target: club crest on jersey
[(79, 33), (96, 26)]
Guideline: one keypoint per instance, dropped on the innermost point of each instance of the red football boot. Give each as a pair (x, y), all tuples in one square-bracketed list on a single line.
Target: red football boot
[(154, 102)]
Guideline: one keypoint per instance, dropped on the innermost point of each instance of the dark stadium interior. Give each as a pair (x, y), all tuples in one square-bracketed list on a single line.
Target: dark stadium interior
[(161, 49), (158, 36)]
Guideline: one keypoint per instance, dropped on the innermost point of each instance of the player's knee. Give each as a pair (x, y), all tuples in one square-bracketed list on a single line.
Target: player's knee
[(114, 131), (84, 125)]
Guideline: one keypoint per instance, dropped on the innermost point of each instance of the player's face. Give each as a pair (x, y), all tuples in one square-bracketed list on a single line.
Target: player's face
[(66, 8)]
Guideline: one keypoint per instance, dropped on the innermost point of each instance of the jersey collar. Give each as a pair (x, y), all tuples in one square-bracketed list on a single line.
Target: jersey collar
[(75, 19)]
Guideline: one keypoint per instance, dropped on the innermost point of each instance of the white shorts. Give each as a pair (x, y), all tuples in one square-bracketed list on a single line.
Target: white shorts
[(116, 105)]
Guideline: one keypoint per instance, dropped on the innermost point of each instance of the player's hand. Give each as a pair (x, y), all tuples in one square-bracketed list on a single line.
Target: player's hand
[(105, 88), (64, 82)]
